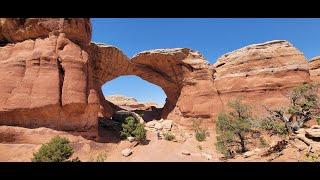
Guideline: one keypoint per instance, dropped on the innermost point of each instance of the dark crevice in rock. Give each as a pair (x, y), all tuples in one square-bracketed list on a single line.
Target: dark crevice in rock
[(61, 78), (219, 65), (188, 66)]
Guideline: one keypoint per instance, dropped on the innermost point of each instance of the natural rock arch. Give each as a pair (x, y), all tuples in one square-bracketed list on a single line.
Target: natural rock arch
[(165, 68)]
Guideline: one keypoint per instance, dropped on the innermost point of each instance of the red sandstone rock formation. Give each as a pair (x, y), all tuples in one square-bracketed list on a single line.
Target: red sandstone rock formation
[(44, 75), (13, 30), (314, 70), (51, 75), (261, 73), (129, 103)]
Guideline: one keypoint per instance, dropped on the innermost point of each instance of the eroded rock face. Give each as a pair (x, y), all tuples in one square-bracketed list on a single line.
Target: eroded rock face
[(314, 69), (261, 74), (129, 103), (51, 75), (13, 30), (44, 83), (180, 72)]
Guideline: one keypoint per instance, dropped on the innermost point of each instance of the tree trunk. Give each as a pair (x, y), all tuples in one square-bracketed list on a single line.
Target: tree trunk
[(243, 147)]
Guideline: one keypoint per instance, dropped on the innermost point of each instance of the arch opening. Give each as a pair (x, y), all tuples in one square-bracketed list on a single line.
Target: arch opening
[(134, 94)]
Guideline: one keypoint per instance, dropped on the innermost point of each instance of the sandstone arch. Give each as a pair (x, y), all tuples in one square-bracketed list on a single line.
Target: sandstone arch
[(170, 69)]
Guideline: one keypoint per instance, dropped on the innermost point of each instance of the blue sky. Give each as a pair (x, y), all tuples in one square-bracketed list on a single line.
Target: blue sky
[(213, 37)]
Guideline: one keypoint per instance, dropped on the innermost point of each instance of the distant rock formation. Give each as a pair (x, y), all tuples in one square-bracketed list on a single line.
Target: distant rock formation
[(51, 75), (129, 103)]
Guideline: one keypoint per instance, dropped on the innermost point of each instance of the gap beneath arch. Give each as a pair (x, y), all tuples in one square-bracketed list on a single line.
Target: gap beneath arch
[(134, 94)]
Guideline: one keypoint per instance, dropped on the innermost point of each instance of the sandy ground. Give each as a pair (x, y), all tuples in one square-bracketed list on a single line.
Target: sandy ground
[(18, 144)]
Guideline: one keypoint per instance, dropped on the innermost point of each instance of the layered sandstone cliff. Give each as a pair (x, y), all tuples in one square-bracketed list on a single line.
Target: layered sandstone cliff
[(261, 74), (51, 75), (314, 66), (129, 103), (44, 74)]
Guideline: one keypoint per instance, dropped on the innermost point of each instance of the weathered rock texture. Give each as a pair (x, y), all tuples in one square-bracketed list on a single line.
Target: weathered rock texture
[(129, 102), (13, 30), (46, 81), (180, 72), (314, 66), (51, 75), (261, 74)]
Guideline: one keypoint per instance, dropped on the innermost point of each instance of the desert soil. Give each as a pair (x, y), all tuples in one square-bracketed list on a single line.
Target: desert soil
[(18, 144)]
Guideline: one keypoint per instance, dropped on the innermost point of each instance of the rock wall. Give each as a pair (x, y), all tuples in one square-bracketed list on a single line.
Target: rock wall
[(44, 74), (261, 74), (51, 75), (314, 65)]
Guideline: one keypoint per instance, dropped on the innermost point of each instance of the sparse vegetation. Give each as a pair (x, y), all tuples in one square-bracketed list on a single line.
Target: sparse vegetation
[(312, 157), (57, 150), (169, 136), (274, 126), (200, 133), (304, 106), (233, 127), (200, 147), (263, 142), (318, 120), (133, 128), (101, 157)]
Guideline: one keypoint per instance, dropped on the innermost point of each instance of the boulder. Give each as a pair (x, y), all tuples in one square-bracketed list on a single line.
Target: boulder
[(207, 156), (131, 139), (126, 152), (313, 133), (167, 124), (251, 153), (158, 126), (185, 152)]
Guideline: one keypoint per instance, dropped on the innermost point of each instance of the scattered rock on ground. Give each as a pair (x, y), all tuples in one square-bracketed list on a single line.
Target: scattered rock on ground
[(300, 131), (315, 127), (131, 139), (126, 152), (185, 152), (158, 126), (251, 153), (313, 133), (207, 156), (300, 145), (150, 124), (167, 124)]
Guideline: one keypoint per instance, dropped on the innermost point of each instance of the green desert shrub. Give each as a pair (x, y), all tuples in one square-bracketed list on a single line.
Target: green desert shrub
[(274, 126), (57, 150), (168, 136), (200, 133), (304, 105), (133, 128), (263, 142), (140, 133), (101, 157), (233, 127), (318, 120)]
